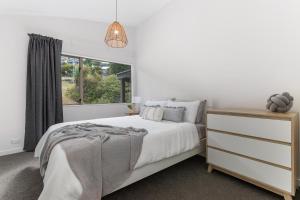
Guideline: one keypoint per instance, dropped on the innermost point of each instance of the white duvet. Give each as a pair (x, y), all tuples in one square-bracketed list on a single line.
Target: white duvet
[(164, 139)]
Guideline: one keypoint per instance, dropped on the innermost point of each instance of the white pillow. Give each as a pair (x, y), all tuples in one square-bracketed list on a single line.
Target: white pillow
[(153, 113), (156, 103), (191, 109)]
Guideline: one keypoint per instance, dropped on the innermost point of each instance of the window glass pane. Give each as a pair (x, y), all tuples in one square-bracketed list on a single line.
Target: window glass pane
[(106, 82), (70, 80), (123, 73), (128, 92), (91, 81)]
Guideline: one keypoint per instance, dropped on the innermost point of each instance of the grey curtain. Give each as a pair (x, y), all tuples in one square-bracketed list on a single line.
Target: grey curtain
[(43, 92)]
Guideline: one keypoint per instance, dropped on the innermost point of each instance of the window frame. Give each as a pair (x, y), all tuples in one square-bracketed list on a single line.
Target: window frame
[(80, 58)]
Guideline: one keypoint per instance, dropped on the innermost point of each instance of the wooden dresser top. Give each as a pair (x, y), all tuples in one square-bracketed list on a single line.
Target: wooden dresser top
[(253, 113)]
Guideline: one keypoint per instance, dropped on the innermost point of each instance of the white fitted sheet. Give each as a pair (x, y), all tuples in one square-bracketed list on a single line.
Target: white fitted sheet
[(164, 140)]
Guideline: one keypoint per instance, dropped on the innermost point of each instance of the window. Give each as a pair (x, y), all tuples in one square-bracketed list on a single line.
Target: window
[(90, 81)]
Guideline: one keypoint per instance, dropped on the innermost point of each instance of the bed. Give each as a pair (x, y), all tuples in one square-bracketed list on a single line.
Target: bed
[(166, 144)]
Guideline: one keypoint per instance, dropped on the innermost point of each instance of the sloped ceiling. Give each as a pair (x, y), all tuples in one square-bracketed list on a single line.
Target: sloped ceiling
[(131, 12)]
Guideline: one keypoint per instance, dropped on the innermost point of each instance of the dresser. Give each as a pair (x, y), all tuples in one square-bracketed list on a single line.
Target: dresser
[(256, 146)]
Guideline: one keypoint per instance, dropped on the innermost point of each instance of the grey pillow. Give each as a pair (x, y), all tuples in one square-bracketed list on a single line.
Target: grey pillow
[(175, 114), (201, 115)]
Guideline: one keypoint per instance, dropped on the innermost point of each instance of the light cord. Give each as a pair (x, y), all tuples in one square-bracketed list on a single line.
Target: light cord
[(116, 10)]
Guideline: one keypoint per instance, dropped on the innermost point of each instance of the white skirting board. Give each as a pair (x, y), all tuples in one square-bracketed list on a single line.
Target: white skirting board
[(11, 151)]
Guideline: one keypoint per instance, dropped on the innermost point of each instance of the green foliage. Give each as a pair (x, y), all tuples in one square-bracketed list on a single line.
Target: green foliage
[(97, 88), (73, 93), (68, 70), (111, 88), (127, 92), (102, 90), (117, 68), (130, 106)]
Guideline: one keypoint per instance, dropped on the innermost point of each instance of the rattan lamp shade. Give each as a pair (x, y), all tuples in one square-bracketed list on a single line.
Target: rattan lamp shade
[(116, 36)]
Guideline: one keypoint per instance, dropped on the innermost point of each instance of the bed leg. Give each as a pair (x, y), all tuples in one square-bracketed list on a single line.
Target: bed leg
[(287, 197), (210, 168)]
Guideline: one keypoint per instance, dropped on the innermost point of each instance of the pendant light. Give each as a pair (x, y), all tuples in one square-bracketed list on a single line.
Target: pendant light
[(116, 36)]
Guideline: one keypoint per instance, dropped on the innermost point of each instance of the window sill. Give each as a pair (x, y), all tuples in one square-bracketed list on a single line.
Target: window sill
[(108, 104)]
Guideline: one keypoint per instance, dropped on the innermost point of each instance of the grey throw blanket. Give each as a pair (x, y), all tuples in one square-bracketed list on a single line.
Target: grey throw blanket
[(102, 157)]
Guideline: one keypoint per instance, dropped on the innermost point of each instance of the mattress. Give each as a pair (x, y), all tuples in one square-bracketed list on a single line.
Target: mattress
[(165, 139)]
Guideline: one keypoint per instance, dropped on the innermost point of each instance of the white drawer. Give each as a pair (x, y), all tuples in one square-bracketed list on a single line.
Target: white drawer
[(258, 127), (264, 173), (271, 152)]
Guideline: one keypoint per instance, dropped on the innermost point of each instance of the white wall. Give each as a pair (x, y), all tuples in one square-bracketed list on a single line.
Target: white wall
[(79, 38), (76, 112), (235, 53)]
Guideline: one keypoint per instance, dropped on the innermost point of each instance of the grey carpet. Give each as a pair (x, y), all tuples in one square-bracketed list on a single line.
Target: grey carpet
[(188, 180)]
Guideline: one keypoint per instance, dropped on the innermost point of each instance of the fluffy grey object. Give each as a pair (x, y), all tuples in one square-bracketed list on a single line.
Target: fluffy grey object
[(280, 102)]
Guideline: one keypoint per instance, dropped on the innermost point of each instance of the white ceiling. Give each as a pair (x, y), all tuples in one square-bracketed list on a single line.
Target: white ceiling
[(131, 12)]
